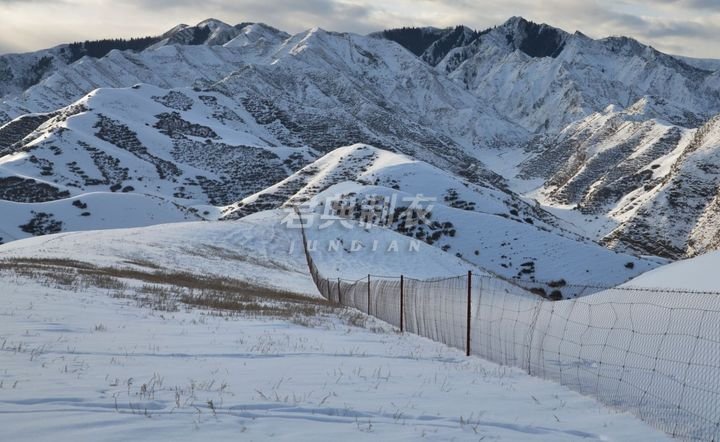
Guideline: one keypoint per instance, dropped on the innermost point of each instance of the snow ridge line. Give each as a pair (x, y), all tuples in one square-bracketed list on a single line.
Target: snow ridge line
[(650, 352)]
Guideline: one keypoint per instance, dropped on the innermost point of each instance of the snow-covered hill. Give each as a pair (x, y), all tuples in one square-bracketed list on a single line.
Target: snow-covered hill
[(327, 90), (614, 118), (209, 32), (361, 88), (206, 156), (21, 71), (197, 152), (90, 211), (678, 215), (632, 180), (188, 151), (482, 225), (264, 249), (602, 164), (694, 274)]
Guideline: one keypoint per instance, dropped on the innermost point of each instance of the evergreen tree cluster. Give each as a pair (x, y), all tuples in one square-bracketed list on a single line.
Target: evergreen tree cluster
[(415, 40), (37, 71), (200, 34), (100, 48), (450, 41), (541, 41)]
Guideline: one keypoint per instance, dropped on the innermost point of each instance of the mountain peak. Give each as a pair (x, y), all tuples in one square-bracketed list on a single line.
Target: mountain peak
[(535, 40), (210, 31), (316, 33), (250, 33), (515, 21), (213, 23), (176, 29)]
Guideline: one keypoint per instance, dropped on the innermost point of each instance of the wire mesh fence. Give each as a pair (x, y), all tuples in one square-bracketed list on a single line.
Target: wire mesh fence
[(652, 352)]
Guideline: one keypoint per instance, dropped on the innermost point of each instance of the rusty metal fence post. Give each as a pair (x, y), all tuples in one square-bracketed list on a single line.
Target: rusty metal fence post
[(469, 311), (368, 306), (339, 293), (402, 303)]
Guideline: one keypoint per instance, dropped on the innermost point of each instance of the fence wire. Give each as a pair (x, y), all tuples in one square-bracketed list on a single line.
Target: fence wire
[(650, 352)]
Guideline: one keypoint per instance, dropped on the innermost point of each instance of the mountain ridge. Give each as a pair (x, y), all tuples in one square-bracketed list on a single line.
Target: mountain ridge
[(587, 128)]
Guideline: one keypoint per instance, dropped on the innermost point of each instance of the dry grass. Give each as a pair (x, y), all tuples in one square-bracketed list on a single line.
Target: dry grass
[(168, 291)]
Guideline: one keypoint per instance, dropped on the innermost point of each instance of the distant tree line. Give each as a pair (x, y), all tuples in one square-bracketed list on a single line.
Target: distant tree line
[(452, 40), (100, 48), (37, 71), (415, 40), (418, 40)]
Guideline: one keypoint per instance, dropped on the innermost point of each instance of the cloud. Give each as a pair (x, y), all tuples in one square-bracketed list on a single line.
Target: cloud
[(290, 15), (692, 4), (6, 47), (686, 26)]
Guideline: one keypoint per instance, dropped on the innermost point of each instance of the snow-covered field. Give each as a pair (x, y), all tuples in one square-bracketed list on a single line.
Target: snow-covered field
[(694, 274), (262, 249), (77, 363)]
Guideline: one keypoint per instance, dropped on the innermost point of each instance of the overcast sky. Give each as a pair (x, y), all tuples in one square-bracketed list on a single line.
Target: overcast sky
[(685, 27)]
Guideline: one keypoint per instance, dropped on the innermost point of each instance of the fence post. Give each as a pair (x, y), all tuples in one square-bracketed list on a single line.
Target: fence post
[(402, 304), (339, 293), (469, 310), (368, 309)]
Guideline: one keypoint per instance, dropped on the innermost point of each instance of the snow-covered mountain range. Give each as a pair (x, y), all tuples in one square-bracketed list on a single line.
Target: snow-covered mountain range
[(537, 144), (614, 127)]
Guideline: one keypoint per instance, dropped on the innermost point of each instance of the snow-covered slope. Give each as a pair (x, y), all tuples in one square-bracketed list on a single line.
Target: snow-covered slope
[(208, 32), (90, 211), (707, 64), (545, 78), (198, 164), (678, 216), (345, 86), (264, 249), (166, 66), (21, 71), (601, 164), (257, 34), (183, 56), (188, 151), (482, 225), (631, 179), (613, 118), (368, 165), (78, 364), (213, 32), (329, 89), (694, 274)]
